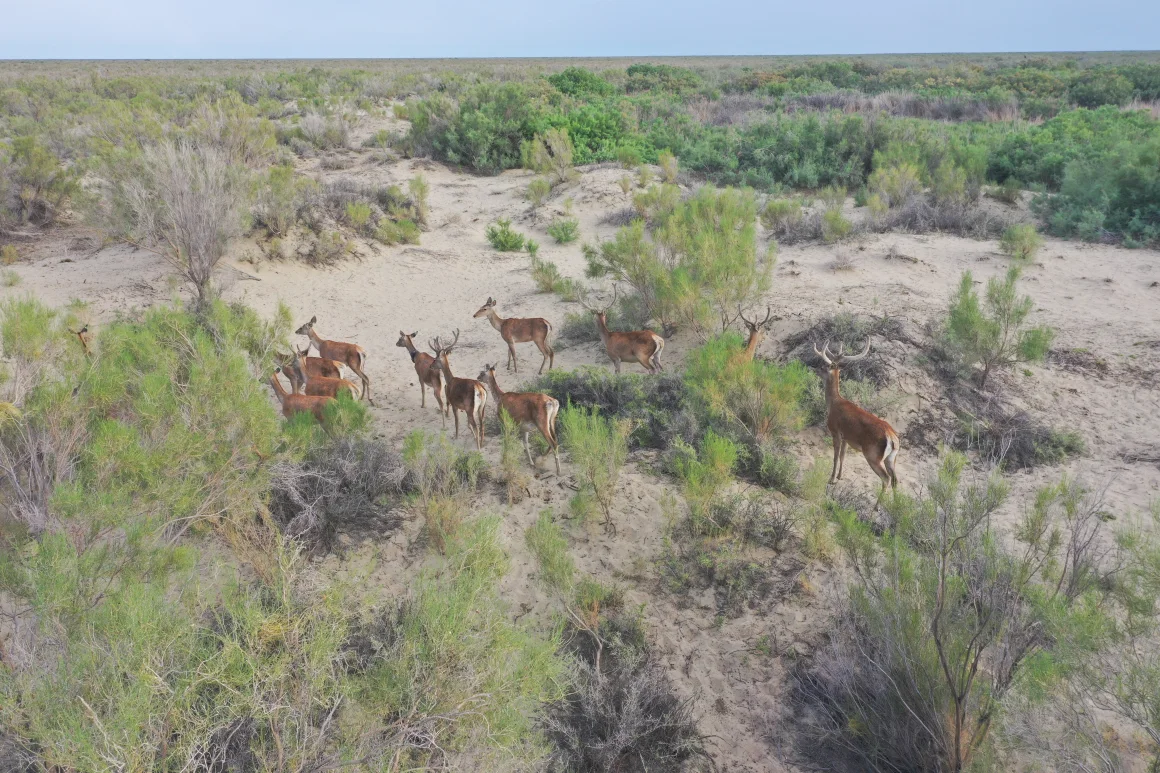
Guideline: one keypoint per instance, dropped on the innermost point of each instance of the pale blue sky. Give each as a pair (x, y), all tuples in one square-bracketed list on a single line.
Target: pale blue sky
[(84, 29)]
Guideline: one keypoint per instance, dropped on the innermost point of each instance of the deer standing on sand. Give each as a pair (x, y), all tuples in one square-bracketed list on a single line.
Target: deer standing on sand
[(530, 410), (463, 394), (292, 403), (316, 367), (427, 373), (757, 331), (643, 346), (321, 386), (852, 426), (514, 331), (350, 355)]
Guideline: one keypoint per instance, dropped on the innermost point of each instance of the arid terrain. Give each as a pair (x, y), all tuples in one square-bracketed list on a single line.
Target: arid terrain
[(1102, 381)]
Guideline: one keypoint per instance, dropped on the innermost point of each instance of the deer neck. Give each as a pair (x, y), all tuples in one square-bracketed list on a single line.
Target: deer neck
[(833, 383), (411, 350), (495, 320), (279, 391), (446, 367), (315, 339), (495, 390), (751, 345), (602, 328)]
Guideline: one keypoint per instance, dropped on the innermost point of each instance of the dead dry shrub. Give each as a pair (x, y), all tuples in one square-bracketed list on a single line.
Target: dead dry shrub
[(851, 332), (348, 486)]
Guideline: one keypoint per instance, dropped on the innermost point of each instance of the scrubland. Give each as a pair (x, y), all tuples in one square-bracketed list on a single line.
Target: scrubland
[(190, 582)]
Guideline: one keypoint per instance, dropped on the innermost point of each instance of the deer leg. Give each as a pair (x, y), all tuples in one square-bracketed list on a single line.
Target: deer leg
[(437, 390), (528, 449), (482, 416), (547, 352), (837, 449), (615, 364), (842, 459), (889, 464), (422, 394), (455, 413)]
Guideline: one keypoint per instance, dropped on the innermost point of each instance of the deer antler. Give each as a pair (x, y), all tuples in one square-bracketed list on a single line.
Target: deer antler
[(752, 322), (856, 357), (824, 353), (435, 347)]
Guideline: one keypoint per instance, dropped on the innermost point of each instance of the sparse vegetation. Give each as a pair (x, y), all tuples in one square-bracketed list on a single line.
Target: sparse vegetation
[(538, 191), (598, 447), (564, 230)]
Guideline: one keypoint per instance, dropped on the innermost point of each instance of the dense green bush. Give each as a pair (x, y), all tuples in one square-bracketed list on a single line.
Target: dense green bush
[(564, 230), (578, 82), (501, 236)]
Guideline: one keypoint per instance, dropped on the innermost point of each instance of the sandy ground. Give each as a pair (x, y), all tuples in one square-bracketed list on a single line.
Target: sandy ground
[(1101, 299)]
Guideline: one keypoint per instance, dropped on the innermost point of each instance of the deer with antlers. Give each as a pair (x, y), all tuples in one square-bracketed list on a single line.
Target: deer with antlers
[(320, 386), (316, 367), (428, 374), (530, 410), (292, 403), (852, 426), (463, 394), (514, 331), (350, 355), (643, 346), (757, 331)]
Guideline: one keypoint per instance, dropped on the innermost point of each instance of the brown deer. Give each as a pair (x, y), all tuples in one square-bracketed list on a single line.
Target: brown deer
[(292, 403), (428, 375), (757, 331), (316, 367), (643, 346), (322, 386), (463, 394), (530, 410), (852, 426), (83, 334), (514, 331), (350, 355)]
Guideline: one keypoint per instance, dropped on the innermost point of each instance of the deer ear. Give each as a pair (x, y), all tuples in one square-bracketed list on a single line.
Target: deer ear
[(414, 334), (313, 320)]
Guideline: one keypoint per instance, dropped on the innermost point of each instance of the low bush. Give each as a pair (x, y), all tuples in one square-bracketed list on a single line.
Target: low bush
[(850, 332), (835, 226), (564, 230), (538, 191), (548, 544), (282, 200), (550, 154), (441, 479), (659, 408), (669, 167), (780, 215), (34, 183), (501, 236), (1021, 242), (330, 248), (1007, 437)]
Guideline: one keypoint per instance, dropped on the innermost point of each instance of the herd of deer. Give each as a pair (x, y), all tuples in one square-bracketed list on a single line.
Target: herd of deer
[(315, 381)]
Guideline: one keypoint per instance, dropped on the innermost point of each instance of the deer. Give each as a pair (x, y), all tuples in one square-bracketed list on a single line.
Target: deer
[(853, 426), (316, 367), (429, 376), (350, 355), (643, 346), (83, 334), (320, 386), (530, 410), (757, 331), (463, 394), (514, 331), (292, 403)]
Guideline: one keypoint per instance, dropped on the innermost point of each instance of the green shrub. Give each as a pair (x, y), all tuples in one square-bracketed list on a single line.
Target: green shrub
[(628, 157), (669, 168), (598, 447), (533, 248), (9, 255), (780, 215), (511, 457), (835, 226), (9, 278), (546, 540), (758, 397), (358, 216), (281, 200), (420, 190), (564, 230), (833, 196), (550, 154), (545, 274), (1100, 87), (995, 336), (1009, 192), (501, 236), (330, 248), (896, 184), (705, 474), (578, 82), (1021, 242), (41, 184), (538, 191)]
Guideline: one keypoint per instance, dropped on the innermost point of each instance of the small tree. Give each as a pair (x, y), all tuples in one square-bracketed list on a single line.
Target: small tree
[(189, 204), (944, 619), (1021, 242), (996, 336)]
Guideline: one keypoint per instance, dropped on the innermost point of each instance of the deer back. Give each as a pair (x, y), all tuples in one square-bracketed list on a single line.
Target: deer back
[(427, 374), (634, 344), (329, 387), (525, 407), (857, 426), (520, 331)]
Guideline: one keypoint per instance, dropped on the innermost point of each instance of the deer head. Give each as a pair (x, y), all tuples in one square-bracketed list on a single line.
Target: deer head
[(405, 339), (305, 329), (485, 308)]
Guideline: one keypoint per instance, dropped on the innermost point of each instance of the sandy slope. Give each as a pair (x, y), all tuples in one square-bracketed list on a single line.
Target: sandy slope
[(1102, 299)]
